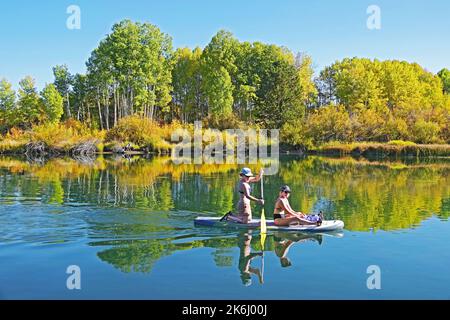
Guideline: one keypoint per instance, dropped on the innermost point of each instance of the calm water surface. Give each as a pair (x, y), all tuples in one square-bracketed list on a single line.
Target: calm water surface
[(128, 224)]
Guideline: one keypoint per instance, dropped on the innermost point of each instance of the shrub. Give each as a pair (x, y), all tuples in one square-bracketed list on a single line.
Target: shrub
[(425, 132), (295, 134), (223, 122), (145, 133), (367, 125), (328, 124), (65, 137), (395, 129)]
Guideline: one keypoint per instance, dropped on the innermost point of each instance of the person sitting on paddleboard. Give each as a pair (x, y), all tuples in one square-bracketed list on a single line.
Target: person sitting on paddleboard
[(244, 210), (284, 215)]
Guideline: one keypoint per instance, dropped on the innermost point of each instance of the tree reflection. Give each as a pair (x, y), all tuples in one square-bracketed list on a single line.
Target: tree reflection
[(366, 195)]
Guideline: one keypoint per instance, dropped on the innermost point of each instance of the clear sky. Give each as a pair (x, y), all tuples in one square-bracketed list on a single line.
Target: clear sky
[(34, 36)]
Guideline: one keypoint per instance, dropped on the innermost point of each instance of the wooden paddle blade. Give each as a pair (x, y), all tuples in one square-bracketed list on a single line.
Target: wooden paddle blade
[(263, 230), (263, 223)]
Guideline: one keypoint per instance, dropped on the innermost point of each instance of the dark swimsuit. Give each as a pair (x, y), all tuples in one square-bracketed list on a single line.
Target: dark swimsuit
[(278, 215)]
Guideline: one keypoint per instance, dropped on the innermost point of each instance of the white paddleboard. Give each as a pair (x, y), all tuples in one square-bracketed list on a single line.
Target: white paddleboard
[(327, 225)]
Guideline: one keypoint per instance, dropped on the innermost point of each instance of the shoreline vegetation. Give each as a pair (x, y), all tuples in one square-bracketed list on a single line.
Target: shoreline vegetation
[(389, 149), (138, 90), (138, 136)]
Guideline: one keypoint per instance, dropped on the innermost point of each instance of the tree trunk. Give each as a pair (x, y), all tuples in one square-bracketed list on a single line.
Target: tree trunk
[(115, 106), (99, 109), (68, 106)]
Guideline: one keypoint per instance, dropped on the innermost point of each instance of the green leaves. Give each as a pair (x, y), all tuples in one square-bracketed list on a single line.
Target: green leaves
[(52, 103), (133, 63), (385, 100), (29, 103), (444, 75), (134, 71), (7, 104), (63, 82)]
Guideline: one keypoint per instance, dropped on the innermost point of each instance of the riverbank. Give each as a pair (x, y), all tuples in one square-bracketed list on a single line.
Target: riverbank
[(97, 147), (389, 149), (135, 135)]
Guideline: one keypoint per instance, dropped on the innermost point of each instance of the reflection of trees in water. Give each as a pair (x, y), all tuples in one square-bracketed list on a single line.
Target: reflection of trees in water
[(223, 257), (371, 195), (141, 255), (378, 194), (138, 256), (381, 195), (205, 194), (155, 184)]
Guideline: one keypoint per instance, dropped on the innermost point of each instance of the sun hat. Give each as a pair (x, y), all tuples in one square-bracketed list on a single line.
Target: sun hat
[(247, 172)]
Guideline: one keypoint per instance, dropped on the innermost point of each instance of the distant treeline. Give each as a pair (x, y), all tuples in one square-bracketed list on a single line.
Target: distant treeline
[(135, 71)]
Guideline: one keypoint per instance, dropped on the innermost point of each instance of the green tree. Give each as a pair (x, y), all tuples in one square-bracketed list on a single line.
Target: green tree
[(304, 64), (29, 104), (186, 82), (268, 84), (63, 82), (280, 98), (218, 66), (52, 103), (130, 72), (444, 74), (80, 97), (7, 104), (387, 99), (219, 92)]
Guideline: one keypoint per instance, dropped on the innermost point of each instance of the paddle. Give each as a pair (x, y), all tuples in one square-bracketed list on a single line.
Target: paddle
[(263, 229), (263, 219)]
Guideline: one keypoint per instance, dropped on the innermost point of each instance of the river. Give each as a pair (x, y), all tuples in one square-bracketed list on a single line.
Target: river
[(127, 223)]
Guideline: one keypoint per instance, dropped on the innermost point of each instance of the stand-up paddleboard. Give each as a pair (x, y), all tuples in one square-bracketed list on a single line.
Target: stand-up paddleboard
[(327, 225)]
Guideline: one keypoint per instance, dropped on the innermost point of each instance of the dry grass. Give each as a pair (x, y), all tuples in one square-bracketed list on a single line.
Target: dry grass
[(392, 148), (142, 133), (55, 138)]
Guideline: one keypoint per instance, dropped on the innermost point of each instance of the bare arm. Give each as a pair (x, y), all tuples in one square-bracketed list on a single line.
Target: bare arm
[(287, 208), (292, 211), (257, 178)]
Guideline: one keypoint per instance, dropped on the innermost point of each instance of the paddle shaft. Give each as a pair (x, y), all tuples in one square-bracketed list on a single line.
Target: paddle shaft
[(262, 188)]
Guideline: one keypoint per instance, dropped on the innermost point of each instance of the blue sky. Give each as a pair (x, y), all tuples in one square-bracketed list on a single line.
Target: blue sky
[(34, 36)]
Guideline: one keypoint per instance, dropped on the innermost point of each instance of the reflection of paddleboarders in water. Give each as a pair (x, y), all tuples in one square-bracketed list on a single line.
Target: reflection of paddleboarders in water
[(283, 242), (245, 259)]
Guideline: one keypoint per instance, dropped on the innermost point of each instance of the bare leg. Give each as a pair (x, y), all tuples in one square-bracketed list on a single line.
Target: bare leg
[(288, 221), (244, 219), (234, 218)]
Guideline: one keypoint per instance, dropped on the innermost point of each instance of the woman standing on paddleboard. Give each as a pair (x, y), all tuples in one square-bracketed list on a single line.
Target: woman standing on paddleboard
[(244, 210)]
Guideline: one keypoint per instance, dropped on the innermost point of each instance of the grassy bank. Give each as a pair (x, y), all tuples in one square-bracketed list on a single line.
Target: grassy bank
[(133, 134), (392, 148), (141, 135), (73, 138)]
